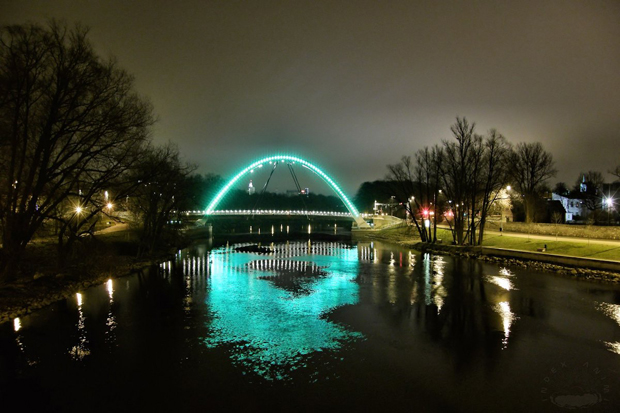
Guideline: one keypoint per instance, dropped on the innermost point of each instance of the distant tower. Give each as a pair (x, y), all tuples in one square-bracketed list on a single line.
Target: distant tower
[(583, 187), (251, 188)]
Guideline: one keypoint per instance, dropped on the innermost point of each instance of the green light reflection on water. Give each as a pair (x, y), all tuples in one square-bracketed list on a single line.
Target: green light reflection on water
[(272, 331)]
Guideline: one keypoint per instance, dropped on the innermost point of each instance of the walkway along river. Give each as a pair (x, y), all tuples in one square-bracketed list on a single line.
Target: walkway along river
[(319, 325)]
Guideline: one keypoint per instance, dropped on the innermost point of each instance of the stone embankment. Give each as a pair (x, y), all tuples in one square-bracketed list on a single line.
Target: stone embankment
[(581, 268)]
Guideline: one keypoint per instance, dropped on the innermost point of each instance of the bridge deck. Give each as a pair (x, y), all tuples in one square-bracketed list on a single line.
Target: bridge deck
[(271, 213)]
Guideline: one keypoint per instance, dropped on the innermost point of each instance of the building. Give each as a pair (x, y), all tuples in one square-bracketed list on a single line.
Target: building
[(573, 207)]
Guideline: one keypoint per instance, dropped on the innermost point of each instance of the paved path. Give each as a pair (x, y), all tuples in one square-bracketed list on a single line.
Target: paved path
[(488, 233), (113, 228)]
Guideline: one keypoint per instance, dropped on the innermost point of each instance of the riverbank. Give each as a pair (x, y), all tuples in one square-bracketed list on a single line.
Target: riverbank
[(528, 255), (106, 256)]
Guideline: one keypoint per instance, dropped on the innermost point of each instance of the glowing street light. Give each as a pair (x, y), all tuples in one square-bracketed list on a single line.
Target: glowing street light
[(609, 201), (78, 210)]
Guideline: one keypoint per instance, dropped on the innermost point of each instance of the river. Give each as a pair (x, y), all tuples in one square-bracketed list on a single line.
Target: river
[(319, 325)]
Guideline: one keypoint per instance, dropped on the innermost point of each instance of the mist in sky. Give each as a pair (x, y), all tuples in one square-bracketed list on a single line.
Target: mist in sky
[(352, 86)]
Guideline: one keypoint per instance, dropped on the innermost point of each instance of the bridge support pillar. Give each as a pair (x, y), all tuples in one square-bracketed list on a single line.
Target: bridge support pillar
[(361, 223)]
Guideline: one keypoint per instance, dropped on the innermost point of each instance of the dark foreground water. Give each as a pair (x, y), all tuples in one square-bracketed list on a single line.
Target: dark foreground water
[(319, 326)]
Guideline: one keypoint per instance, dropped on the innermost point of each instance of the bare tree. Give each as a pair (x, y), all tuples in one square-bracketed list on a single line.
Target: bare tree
[(561, 189), (530, 167), (495, 175), (428, 169), (402, 179), (459, 171), (468, 172), (163, 185), (70, 123)]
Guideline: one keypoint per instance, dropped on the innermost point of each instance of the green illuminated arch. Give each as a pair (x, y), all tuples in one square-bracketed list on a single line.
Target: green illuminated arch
[(284, 158)]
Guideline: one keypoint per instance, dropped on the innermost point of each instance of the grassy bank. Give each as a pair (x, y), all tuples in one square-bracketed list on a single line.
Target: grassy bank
[(560, 230), (572, 248)]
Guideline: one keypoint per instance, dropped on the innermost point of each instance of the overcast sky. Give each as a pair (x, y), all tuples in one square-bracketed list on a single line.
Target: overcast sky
[(354, 85)]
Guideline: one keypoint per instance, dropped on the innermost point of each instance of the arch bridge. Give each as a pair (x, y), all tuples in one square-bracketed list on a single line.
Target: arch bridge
[(290, 160)]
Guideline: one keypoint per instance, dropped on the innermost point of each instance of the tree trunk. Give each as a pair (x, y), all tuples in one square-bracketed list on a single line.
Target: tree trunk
[(13, 247)]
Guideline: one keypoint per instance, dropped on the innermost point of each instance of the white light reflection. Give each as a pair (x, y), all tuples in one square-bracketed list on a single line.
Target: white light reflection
[(613, 347), (110, 288), (508, 317), (17, 325), (501, 282), (80, 351), (111, 319), (611, 310), (414, 293), (411, 259), (439, 292)]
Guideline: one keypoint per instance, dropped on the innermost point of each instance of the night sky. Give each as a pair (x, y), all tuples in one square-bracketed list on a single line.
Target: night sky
[(354, 85)]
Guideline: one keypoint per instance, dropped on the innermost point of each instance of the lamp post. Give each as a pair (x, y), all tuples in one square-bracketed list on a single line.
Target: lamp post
[(410, 212), (502, 216)]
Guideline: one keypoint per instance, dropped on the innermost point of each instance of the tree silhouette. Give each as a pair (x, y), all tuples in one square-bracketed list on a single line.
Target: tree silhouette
[(70, 125)]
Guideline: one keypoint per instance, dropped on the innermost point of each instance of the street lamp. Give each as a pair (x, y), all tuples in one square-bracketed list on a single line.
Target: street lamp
[(78, 212), (609, 201), (504, 195)]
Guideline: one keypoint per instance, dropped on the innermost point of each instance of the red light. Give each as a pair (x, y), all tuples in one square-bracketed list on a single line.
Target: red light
[(425, 212)]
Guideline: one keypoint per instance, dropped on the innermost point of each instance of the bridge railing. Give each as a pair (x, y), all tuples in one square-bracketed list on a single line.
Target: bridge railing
[(270, 212)]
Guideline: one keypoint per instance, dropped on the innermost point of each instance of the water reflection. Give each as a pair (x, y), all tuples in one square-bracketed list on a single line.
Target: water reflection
[(271, 312), (613, 312), (447, 299), (614, 347), (19, 341), (111, 318), (80, 350), (438, 332), (501, 282), (508, 317)]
